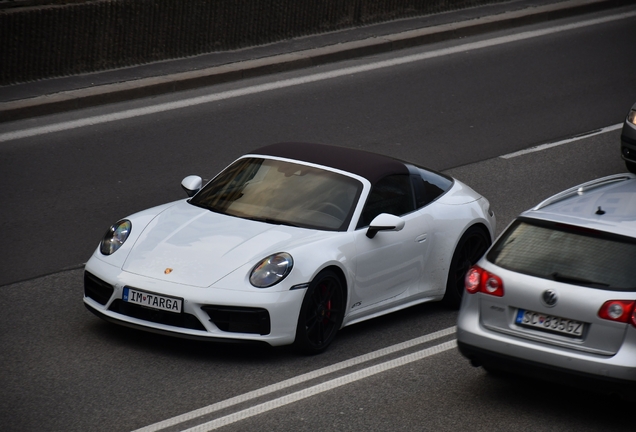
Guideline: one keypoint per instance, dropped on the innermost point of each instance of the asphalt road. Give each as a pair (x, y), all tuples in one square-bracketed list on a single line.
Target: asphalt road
[(62, 190), (64, 369)]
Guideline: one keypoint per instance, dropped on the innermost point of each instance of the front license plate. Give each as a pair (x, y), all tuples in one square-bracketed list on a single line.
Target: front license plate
[(548, 322), (151, 300)]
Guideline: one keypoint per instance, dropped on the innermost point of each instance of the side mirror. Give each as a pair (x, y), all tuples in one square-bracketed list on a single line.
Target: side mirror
[(191, 184), (385, 222)]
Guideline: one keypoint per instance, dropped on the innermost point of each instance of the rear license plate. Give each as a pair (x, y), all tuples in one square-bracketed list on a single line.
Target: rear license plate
[(549, 323), (151, 300)]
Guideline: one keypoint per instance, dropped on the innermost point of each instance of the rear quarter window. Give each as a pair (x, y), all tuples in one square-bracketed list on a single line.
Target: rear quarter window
[(428, 186)]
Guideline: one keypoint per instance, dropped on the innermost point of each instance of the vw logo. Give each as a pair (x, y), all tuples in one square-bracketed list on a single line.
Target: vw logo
[(549, 297)]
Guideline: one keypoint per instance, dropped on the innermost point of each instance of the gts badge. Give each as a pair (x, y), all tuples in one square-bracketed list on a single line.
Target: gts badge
[(497, 308), (355, 305)]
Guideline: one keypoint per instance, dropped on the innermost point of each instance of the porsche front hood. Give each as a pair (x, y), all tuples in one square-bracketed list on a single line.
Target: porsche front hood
[(193, 246)]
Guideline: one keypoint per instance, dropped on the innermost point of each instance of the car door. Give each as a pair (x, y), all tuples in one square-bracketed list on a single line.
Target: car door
[(391, 262)]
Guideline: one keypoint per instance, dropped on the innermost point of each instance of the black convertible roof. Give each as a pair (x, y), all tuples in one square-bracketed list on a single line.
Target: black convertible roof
[(371, 166)]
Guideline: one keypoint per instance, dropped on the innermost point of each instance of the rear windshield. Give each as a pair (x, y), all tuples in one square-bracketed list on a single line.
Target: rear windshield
[(568, 254)]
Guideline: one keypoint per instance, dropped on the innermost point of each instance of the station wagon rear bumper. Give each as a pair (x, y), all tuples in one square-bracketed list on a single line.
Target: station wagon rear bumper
[(494, 361)]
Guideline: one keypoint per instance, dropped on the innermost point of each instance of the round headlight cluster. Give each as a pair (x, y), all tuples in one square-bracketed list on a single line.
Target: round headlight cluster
[(271, 270), (115, 237)]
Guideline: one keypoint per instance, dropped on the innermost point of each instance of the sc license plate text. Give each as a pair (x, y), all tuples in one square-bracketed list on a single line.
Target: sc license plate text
[(549, 322)]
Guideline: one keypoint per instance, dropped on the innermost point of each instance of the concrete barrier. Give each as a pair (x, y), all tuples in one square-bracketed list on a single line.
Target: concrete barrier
[(51, 40)]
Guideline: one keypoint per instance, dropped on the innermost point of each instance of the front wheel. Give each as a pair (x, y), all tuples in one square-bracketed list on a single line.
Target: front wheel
[(470, 248), (631, 166), (321, 313)]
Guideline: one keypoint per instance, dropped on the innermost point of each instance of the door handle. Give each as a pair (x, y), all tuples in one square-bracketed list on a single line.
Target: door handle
[(421, 238)]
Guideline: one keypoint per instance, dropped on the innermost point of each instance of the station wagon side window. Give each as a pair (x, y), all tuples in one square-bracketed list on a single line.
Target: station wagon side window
[(392, 194)]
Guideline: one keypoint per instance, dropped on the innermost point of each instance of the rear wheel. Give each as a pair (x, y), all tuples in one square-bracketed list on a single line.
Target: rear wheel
[(470, 248), (321, 313)]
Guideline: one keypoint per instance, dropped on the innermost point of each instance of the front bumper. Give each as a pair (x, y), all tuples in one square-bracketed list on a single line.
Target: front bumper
[(144, 327), (212, 314)]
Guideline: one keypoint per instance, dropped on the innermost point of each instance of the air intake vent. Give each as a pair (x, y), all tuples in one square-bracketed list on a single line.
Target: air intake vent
[(97, 289), (239, 319)]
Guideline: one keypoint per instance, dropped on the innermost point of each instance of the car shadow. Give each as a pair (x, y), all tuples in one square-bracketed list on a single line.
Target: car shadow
[(552, 399)]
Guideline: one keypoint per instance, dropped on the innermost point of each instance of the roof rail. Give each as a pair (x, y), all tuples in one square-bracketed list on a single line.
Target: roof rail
[(580, 189)]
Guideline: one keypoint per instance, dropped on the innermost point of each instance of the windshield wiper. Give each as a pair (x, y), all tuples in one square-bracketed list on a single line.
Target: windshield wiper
[(573, 279), (270, 221), (197, 204), (254, 218)]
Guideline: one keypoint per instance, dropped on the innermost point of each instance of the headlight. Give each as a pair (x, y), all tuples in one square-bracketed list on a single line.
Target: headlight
[(115, 237), (271, 270), (631, 117)]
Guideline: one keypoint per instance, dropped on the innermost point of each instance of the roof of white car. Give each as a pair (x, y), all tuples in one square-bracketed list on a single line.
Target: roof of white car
[(606, 204), (371, 166)]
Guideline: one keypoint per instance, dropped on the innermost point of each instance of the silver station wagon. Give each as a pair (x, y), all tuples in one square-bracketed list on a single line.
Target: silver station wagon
[(554, 297)]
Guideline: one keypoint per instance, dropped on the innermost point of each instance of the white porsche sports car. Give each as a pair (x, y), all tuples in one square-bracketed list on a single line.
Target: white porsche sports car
[(289, 244)]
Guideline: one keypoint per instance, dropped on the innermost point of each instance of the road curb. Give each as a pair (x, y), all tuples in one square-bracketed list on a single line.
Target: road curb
[(153, 86)]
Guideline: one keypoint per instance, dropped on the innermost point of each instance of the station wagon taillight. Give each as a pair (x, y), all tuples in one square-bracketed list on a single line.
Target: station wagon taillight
[(480, 280), (619, 311)]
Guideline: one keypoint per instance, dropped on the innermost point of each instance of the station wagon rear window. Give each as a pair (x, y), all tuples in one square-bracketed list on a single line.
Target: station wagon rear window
[(568, 254)]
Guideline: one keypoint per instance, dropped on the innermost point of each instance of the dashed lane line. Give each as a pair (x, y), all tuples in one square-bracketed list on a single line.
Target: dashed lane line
[(296, 380), (566, 141), (323, 387), (158, 108)]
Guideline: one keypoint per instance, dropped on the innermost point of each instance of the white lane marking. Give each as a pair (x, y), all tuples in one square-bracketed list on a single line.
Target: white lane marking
[(128, 114), (566, 141), (296, 380), (321, 388)]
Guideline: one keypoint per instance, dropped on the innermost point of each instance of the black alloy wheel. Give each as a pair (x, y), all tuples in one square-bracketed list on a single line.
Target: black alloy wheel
[(321, 313), (470, 249)]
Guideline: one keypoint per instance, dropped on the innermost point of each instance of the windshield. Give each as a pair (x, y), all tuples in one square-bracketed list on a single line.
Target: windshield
[(568, 254), (281, 192)]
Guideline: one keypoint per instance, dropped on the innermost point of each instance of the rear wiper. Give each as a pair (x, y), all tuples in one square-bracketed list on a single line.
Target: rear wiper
[(573, 279)]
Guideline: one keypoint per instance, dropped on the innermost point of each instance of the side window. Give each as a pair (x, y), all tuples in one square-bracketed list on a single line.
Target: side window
[(424, 191), (392, 195)]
